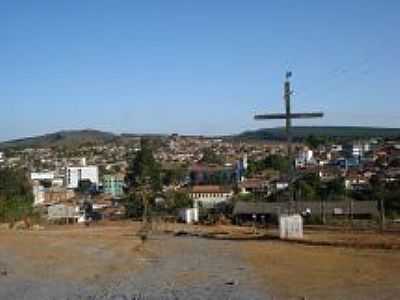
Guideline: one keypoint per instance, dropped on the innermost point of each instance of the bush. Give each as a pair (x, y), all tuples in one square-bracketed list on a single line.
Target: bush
[(16, 198)]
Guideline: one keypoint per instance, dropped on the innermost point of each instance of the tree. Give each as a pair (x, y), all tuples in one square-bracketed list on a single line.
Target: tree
[(143, 181), (274, 162), (16, 196), (313, 141), (176, 200), (335, 187), (174, 176), (306, 190), (210, 157), (144, 168), (133, 206), (241, 197)]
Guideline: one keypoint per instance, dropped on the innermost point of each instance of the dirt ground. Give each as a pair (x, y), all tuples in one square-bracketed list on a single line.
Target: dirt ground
[(101, 261), (293, 270), (74, 252)]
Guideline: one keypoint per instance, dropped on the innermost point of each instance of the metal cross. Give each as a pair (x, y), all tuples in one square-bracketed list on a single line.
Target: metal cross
[(288, 116)]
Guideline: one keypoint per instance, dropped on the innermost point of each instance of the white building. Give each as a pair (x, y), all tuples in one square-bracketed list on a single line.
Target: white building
[(336, 148), (39, 194), (74, 175), (304, 158), (189, 215), (1, 157), (210, 195), (48, 176), (357, 150)]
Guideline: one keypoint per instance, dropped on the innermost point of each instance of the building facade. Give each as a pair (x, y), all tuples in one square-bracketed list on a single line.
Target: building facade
[(75, 174), (208, 196), (114, 185)]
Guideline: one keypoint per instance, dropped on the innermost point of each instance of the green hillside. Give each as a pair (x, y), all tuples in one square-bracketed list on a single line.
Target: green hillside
[(62, 138)]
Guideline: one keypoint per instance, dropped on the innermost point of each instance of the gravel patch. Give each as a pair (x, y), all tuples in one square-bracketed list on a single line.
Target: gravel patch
[(178, 268)]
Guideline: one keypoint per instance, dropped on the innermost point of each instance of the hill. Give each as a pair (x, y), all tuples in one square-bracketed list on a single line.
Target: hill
[(62, 138), (78, 138), (300, 132)]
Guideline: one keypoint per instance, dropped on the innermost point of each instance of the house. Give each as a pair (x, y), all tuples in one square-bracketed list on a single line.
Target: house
[(304, 158), (329, 172), (42, 176), (38, 193), (253, 185), (73, 175), (57, 195), (210, 195), (204, 174)]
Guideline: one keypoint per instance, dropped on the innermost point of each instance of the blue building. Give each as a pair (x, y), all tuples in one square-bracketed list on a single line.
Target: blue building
[(114, 185)]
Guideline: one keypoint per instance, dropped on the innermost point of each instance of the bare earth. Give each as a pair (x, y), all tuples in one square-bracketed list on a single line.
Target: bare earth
[(110, 262)]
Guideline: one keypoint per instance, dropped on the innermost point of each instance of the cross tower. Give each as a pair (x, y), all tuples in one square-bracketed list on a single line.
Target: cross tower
[(288, 116)]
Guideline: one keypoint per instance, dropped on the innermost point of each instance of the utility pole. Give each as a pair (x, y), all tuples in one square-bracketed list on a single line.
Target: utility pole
[(288, 116), (382, 213)]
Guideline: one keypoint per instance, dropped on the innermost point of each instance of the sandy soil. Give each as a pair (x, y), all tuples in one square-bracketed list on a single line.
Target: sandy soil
[(357, 239), (296, 271), (73, 252), (110, 262)]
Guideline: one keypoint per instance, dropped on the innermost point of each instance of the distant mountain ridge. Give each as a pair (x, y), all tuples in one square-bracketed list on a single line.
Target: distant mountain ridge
[(90, 136), (62, 138), (300, 132)]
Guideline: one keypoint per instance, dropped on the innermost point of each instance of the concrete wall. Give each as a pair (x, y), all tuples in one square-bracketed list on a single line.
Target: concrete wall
[(61, 211)]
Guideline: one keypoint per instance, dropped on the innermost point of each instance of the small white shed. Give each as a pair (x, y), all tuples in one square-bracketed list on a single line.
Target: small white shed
[(291, 226)]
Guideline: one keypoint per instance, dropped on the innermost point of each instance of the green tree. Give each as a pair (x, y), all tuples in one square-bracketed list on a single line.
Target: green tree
[(210, 157), (335, 187), (144, 168), (275, 162), (174, 175), (313, 141), (176, 200), (143, 180), (16, 196), (133, 206)]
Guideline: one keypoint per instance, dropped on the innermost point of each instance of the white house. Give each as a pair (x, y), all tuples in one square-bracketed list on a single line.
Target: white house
[(42, 176), (210, 195), (304, 158), (38, 193), (74, 175)]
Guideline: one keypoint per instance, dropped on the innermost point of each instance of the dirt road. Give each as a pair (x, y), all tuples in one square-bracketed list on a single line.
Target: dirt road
[(111, 263)]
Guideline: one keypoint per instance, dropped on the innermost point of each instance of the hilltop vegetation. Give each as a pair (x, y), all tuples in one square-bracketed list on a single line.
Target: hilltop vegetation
[(78, 138), (301, 132), (62, 138)]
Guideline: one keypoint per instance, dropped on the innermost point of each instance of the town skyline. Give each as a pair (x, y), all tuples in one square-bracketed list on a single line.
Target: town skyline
[(194, 68), (133, 163)]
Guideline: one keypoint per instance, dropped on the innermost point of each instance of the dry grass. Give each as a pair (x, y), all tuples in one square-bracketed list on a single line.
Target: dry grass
[(73, 252), (292, 270)]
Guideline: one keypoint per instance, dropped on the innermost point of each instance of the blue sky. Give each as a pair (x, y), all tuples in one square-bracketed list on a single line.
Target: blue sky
[(194, 66)]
